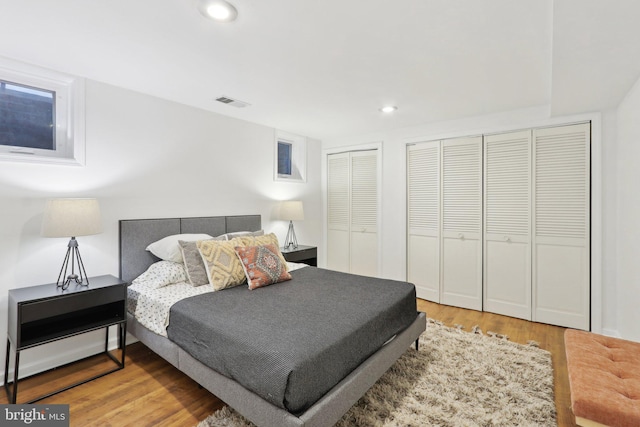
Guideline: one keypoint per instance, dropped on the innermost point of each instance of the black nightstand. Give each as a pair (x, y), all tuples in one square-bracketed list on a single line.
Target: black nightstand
[(303, 254), (46, 313)]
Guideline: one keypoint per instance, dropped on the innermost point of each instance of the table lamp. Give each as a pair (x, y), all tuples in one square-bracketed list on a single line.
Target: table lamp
[(71, 218), (292, 211)]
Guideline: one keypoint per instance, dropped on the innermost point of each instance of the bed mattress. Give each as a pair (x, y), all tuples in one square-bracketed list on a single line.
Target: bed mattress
[(291, 342)]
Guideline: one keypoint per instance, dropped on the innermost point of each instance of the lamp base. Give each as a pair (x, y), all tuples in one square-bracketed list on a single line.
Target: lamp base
[(73, 253), (291, 242)]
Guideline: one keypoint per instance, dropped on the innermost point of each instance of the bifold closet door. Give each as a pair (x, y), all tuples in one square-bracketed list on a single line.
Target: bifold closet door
[(423, 218), (338, 215), (561, 238), (364, 213), (461, 243), (507, 224), (352, 212)]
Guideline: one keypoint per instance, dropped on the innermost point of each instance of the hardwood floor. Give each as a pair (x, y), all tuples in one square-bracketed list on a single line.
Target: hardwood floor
[(148, 392), (151, 392)]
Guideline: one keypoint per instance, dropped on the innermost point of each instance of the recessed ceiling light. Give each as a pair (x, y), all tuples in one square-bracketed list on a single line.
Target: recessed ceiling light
[(389, 109), (218, 10)]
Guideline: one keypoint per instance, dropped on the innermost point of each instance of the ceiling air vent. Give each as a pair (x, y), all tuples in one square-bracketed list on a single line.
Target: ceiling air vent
[(232, 102)]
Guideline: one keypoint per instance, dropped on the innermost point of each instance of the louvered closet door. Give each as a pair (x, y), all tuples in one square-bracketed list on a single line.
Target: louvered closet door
[(507, 224), (461, 253), (561, 248), (423, 217), (364, 213), (338, 212)]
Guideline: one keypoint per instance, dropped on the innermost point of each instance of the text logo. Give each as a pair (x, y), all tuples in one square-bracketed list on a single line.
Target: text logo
[(34, 415)]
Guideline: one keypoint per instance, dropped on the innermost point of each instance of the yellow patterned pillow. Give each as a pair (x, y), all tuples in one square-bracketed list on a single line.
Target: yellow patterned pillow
[(263, 240), (224, 269)]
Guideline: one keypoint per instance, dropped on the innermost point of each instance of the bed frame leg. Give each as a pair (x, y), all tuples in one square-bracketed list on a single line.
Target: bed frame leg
[(417, 342)]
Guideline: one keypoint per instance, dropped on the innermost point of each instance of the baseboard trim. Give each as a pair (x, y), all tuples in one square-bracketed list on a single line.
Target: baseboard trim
[(611, 333)]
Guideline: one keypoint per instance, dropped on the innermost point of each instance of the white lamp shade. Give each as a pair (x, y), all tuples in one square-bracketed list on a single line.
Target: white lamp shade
[(71, 218), (292, 210)]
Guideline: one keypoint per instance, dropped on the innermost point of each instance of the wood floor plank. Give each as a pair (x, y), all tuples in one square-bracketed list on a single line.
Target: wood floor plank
[(152, 392)]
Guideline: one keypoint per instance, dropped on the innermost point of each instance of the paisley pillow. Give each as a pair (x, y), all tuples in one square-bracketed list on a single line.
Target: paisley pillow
[(264, 240), (262, 265)]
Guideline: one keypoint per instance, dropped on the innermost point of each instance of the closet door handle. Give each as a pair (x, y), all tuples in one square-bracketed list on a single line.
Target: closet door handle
[(507, 238), (461, 236)]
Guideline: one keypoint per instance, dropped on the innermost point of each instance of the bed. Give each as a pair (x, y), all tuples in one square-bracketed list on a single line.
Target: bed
[(136, 235)]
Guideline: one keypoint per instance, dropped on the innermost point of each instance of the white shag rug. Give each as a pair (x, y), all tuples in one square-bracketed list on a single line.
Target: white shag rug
[(457, 379)]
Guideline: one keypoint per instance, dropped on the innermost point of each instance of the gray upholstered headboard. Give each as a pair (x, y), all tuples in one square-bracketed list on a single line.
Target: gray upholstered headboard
[(137, 234)]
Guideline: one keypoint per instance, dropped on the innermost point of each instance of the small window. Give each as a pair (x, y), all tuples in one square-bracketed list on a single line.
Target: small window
[(27, 116), (284, 158), (290, 160), (41, 115)]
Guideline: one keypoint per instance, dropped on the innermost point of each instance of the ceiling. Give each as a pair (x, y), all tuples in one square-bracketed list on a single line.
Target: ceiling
[(324, 68)]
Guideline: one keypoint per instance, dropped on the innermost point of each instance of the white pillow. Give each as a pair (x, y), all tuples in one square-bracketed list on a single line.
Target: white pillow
[(162, 273), (168, 249), (229, 236)]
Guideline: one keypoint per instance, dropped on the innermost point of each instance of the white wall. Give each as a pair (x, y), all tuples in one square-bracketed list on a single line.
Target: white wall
[(609, 224), (145, 158), (628, 215), (394, 189)]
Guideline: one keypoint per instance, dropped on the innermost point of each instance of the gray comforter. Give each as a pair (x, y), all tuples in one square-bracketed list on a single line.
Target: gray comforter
[(291, 342)]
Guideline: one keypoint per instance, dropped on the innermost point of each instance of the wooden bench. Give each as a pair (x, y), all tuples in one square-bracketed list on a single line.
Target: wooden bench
[(604, 376)]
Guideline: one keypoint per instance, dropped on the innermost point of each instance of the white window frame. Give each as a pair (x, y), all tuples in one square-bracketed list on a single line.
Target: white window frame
[(70, 114), (298, 157)]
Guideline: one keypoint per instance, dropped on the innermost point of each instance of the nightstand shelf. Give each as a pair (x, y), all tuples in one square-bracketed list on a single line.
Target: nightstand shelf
[(303, 254), (46, 313)]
